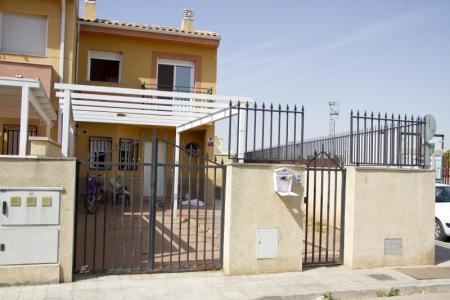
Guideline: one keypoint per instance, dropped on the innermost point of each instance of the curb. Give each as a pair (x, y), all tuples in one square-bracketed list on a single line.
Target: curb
[(366, 294)]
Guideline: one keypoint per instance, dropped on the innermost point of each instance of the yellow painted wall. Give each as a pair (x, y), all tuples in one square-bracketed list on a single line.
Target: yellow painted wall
[(137, 58), (52, 10), (141, 133)]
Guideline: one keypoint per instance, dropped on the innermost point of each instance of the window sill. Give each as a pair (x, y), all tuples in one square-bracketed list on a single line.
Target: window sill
[(107, 83), (24, 54)]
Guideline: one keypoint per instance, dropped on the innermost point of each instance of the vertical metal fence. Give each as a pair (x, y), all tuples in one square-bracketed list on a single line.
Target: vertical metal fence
[(265, 134), (337, 146), (373, 140), (132, 217), (391, 141)]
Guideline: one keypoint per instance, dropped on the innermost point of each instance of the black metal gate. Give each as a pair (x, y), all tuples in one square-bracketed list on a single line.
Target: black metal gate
[(324, 211), (134, 215)]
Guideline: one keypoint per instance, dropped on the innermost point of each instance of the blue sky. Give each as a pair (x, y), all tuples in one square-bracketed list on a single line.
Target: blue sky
[(381, 56)]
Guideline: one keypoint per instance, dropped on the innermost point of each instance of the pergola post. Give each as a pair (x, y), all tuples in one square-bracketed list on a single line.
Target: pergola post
[(72, 138), (60, 118), (66, 124), (242, 137), (24, 112), (176, 172)]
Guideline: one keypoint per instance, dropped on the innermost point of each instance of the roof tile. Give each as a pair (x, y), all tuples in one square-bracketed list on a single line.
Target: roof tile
[(204, 33)]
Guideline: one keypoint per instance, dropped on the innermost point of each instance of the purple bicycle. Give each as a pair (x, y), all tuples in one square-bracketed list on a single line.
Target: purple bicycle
[(95, 195)]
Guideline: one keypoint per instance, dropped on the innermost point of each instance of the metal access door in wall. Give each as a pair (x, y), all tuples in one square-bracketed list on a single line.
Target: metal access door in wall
[(123, 225), (324, 205)]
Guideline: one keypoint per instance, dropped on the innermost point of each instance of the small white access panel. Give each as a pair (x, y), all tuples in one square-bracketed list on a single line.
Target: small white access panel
[(28, 245), (267, 242)]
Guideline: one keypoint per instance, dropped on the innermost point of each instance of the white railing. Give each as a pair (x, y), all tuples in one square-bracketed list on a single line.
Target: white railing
[(139, 106), (103, 104)]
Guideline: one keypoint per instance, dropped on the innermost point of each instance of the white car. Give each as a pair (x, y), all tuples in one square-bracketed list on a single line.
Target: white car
[(442, 212)]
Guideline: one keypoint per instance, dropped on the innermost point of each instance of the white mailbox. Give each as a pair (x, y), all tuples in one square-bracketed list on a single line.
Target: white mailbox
[(29, 225), (282, 181)]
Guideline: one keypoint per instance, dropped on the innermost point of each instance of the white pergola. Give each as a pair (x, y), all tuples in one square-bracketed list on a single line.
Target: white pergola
[(100, 104), (28, 91)]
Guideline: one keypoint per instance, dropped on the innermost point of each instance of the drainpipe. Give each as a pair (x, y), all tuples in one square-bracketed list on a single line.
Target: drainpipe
[(61, 60), (63, 36)]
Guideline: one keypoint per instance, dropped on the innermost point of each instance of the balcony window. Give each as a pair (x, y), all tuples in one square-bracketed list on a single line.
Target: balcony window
[(23, 34), (175, 75), (104, 66)]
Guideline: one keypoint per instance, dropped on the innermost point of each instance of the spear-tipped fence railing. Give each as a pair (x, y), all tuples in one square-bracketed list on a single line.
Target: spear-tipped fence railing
[(383, 140), (260, 134), (373, 140)]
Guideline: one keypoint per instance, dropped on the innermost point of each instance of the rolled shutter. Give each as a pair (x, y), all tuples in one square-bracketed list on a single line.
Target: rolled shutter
[(23, 34)]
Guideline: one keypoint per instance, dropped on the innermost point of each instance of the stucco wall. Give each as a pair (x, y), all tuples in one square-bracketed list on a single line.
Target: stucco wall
[(45, 173), (52, 10), (138, 58), (28, 65), (251, 203), (384, 203)]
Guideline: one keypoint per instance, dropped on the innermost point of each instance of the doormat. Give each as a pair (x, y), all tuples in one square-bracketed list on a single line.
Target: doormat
[(426, 272)]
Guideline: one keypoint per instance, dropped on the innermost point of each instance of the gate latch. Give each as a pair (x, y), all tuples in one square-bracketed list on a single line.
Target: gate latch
[(305, 200), (2, 247), (4, 207)]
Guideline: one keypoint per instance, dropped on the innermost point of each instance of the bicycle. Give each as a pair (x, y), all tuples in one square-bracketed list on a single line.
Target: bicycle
[(94, 195)]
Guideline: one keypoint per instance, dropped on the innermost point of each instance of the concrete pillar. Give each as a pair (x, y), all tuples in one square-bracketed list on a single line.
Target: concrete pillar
[(389, 217), (252, 207)]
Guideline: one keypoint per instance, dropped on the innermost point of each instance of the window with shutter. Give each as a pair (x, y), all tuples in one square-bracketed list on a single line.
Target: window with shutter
[(104, 66), (23, 34)]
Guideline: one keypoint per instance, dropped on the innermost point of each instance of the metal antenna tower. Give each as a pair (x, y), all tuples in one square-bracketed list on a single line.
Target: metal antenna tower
[(333, 108)]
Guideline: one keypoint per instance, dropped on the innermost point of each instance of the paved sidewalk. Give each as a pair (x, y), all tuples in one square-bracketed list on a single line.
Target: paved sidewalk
[(342, 282), (310, 284)]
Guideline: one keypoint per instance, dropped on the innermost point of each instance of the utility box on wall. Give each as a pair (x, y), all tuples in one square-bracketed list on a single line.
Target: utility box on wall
[(29, 225), (267, 242)]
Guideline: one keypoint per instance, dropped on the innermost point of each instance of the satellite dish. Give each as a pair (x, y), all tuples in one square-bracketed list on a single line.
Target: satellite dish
[(430, 128)]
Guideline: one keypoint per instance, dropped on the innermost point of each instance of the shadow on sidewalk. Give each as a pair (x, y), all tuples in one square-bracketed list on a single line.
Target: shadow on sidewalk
[(442, 253)]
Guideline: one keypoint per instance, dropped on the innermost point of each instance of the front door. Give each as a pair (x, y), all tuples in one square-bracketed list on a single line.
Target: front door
[(147, 169)]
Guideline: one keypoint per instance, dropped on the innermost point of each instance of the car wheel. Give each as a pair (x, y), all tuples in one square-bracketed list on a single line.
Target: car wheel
[(439, 233)]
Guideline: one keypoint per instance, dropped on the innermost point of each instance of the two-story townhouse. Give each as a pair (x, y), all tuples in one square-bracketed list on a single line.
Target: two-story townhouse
[(119, 67), (117, 96)]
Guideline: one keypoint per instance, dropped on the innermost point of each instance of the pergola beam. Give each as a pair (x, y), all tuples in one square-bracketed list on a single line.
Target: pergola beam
[(39, 109), (219, 115)]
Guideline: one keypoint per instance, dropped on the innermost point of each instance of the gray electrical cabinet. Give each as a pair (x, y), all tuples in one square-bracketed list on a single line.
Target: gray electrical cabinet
[(29, 225)]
